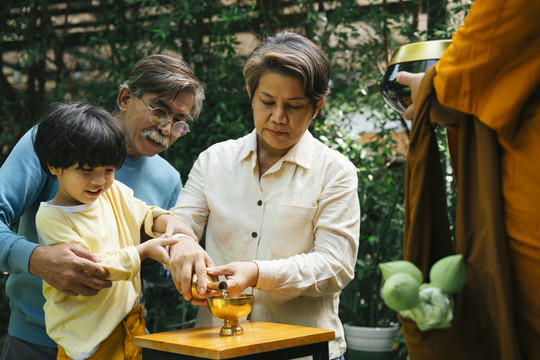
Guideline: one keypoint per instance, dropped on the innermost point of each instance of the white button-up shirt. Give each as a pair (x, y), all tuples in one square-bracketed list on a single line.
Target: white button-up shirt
[(300, 222)]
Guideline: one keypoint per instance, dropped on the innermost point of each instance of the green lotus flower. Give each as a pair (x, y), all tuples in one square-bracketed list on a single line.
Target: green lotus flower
[(401, 266), (434, 310), (448, 274), (400, 292)]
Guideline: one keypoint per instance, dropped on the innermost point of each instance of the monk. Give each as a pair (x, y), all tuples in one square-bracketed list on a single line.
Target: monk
[(485, 90)]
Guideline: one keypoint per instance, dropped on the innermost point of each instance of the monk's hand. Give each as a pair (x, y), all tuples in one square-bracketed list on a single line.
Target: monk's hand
[(413, 81)]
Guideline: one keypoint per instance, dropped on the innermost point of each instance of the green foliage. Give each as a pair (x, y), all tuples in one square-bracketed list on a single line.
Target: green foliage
[(380, 190), (167, 310)]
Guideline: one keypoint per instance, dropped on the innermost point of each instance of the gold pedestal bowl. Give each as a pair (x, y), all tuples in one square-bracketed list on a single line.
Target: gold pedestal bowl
[(230, 308), (414, 58)]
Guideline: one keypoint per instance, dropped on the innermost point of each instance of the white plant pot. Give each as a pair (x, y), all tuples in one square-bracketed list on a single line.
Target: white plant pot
[(372, 339)]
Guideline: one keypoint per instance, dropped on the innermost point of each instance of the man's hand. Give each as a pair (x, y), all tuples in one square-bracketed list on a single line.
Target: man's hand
[(70, 269), (188, 257)]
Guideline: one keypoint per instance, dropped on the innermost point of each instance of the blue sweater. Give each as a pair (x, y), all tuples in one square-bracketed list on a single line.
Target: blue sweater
[(23, 185)]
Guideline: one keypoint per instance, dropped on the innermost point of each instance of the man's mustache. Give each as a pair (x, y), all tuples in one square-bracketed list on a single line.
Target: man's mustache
[(156, 136)]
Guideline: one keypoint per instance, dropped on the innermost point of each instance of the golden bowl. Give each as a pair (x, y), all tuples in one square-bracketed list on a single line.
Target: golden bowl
[(230, 308), (414, 58)]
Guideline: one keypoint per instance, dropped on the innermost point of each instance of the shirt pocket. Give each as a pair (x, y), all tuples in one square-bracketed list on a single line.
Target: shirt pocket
[(292, 230)]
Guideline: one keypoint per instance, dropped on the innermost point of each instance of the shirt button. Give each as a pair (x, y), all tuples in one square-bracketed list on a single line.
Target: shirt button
[(259, 202), (254, 234)]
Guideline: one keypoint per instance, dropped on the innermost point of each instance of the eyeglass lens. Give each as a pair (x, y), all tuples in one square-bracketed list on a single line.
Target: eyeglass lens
[(160, 118)]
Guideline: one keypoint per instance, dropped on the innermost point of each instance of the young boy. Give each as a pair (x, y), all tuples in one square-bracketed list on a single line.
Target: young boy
[(82, 145)]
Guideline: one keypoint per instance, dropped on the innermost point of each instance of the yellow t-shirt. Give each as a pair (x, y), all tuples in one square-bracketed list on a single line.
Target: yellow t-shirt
[(110, 228)]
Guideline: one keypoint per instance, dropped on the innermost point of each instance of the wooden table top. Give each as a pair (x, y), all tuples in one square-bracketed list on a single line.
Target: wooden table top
[(205, 341)]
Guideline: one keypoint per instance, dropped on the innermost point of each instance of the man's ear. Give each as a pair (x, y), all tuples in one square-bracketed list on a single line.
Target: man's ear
[(124, 96)]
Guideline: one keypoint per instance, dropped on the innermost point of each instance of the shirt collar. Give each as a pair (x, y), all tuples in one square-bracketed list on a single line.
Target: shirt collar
[(301, 153), (133, 163), (250, 145)]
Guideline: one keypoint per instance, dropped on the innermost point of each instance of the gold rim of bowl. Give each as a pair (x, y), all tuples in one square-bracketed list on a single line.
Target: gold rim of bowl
[(423, 50), (231, 298)]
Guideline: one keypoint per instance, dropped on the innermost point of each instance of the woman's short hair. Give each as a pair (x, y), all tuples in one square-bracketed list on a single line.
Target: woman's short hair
[(290, 54), (77, 133), (167, 76)]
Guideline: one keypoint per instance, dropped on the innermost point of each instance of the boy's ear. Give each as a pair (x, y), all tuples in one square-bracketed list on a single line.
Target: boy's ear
[(55, 171)]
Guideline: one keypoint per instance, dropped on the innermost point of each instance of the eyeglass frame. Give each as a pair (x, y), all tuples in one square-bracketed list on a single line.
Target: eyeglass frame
[(185, 123)]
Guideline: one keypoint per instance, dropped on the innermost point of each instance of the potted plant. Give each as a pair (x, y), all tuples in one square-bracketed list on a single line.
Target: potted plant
[(381, 173)]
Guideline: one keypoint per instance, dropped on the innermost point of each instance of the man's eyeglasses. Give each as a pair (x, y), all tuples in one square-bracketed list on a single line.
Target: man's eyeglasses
[(160, 117)]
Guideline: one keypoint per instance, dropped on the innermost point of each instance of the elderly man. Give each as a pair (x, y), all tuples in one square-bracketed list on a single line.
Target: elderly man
[(155, 104)]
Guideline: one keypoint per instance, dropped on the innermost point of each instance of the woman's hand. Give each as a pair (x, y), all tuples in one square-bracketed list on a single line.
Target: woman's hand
[(240, 275), (169, 224), (188, 257)]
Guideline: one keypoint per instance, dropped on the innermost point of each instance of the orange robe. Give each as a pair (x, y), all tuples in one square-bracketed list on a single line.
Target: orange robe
[(492, 72)]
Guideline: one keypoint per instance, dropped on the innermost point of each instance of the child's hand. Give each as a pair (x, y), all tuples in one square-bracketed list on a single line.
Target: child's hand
[(157, 249)]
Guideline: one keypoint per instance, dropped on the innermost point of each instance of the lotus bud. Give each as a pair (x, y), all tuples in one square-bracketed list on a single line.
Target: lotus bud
[(434, 310), (400, 292), (402, 266), (448, 274)]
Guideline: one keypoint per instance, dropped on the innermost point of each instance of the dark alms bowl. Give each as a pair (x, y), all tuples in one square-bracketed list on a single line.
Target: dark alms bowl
[(414, 58)]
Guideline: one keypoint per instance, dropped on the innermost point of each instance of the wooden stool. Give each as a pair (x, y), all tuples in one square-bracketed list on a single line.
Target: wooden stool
[(261, 340)]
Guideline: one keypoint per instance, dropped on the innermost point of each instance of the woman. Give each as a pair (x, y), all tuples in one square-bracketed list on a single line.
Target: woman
[(280, 208)]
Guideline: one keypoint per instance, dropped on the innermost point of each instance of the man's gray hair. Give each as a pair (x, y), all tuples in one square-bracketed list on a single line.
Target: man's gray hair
[(166, 76)]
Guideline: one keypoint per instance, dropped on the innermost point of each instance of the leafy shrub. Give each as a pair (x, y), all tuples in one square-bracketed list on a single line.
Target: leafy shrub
[(381, 173)]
